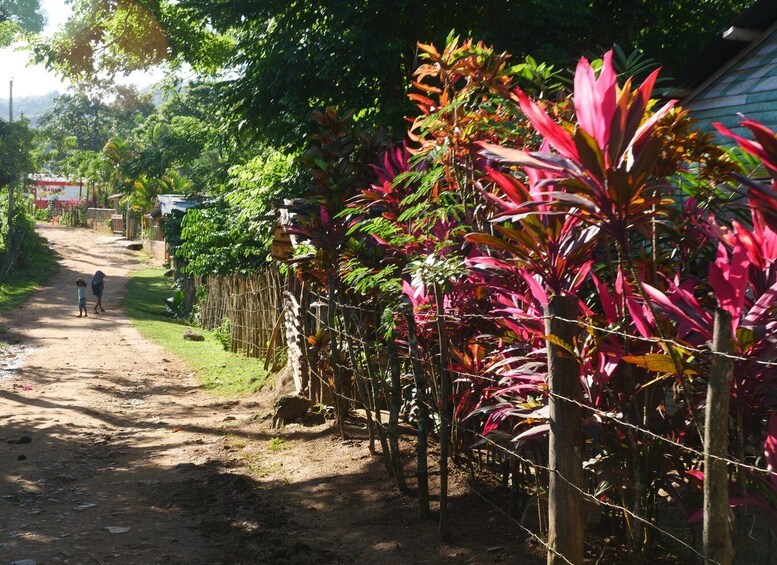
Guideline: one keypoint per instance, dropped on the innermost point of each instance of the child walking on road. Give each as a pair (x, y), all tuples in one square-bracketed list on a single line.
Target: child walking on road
[(81, 287), (98, 285)]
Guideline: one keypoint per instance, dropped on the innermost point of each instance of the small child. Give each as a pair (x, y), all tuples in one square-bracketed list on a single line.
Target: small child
[(98, 285), (81, 286)]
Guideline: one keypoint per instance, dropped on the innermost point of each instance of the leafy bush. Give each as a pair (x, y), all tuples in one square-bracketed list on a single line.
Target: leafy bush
[(41, 214), (269, 176), (35, 263), (214, 241), (174, 303), (223, 333)]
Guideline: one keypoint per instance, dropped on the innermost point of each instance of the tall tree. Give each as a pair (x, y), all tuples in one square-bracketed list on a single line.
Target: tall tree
[(16, 141), (78, 122)]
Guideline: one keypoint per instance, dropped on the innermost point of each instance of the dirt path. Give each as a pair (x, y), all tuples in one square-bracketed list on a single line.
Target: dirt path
[(111, 453), (99, 405)]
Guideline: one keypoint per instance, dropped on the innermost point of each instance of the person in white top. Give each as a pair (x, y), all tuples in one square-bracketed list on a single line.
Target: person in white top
[(81, 287)]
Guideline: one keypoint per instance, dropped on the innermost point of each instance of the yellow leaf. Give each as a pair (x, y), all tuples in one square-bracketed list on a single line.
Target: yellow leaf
[(562, 344), (652, 362)]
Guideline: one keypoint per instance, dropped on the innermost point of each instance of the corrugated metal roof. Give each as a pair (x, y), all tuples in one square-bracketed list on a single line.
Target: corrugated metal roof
[(170, 202)]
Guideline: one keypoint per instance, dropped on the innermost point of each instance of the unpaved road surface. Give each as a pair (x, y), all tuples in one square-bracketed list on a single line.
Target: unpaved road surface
[(110, 453), (86, 425)]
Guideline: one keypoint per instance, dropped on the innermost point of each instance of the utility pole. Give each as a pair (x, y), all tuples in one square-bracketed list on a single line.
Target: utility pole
[(9, 242)]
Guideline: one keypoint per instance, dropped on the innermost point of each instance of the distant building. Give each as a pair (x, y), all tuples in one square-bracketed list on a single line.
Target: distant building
[(166, 203), (59, 190), (736, 73)]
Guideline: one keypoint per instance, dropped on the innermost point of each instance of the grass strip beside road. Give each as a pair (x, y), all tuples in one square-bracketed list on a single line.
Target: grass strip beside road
[(221, 371), (35, 269)]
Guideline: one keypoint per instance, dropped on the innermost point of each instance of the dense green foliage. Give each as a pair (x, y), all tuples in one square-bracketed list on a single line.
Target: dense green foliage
[(16, 161), (36, 264), (215, 242), (287, 58), (18, 17), (241, 127), (16, 145)]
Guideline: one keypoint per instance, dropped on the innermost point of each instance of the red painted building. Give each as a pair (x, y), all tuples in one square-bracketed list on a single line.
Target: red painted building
[(62, 191)]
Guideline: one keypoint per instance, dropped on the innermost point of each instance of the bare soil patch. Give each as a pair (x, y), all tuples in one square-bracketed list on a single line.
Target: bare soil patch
[(110, 452)]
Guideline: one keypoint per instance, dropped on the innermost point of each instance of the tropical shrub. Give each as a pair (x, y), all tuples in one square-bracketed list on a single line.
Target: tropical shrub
[(213, 242), (505, 198)]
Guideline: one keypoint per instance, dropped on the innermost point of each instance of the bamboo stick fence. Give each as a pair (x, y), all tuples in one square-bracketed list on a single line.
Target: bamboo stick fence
[(325, 335), (251, 307)]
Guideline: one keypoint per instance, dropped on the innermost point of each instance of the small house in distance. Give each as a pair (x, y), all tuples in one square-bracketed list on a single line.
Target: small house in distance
[(736, 73), (61, 191), (153, 223)]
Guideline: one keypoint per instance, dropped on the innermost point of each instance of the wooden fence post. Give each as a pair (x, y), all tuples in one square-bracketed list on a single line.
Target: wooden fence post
[(717, 536), (446, 411), (565, 527), (341, 408), (393, 423), (422, 471)]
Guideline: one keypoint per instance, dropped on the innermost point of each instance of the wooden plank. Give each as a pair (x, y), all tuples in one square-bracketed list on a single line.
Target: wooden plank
[(718, 102), (767, 96)]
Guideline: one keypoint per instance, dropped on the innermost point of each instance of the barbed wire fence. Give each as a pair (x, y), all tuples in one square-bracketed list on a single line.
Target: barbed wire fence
[(666, 522), (539, 485)]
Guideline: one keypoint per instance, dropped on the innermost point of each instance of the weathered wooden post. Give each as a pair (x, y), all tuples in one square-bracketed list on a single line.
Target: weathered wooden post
[(565, 518), (717, 536), (341, 408), (422, 471), (446, 412), (393, 424)]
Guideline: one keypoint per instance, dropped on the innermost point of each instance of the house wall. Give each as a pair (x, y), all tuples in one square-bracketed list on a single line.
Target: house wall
[(157, 250), (749, 87), (96, 218)]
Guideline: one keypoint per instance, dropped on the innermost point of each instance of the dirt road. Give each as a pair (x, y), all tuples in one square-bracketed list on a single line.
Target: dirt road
[(110, 453), (87, 425)]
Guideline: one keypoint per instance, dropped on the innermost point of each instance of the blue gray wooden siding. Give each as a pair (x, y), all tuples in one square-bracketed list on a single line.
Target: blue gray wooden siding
[(749, 87)]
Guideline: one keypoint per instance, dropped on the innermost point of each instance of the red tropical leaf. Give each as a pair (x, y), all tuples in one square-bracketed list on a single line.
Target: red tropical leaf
[(556, 135)]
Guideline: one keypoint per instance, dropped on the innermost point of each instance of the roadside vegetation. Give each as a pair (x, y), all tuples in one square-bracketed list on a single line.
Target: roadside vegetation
[(220, 371), (443, 193), (36, 265)]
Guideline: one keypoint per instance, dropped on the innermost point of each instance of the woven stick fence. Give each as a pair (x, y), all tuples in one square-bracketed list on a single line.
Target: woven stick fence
[(252, 308)]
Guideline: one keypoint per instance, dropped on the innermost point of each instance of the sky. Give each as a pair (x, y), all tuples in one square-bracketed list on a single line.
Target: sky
[(36, 80)]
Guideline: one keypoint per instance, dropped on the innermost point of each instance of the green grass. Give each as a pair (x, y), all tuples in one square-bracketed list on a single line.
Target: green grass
[(276, 444), (35, 269), (221, 371)]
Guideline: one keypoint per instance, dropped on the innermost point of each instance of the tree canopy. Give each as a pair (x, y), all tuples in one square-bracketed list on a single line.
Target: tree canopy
[(19, 16), (278, 60)]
